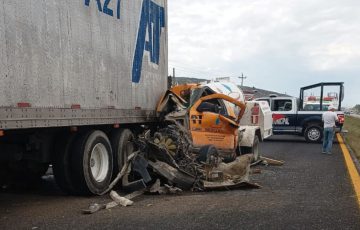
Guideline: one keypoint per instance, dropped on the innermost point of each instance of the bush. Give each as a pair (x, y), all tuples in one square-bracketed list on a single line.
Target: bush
[(352, 124)]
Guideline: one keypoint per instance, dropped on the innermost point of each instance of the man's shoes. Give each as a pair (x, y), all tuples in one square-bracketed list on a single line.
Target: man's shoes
[(323, 152)]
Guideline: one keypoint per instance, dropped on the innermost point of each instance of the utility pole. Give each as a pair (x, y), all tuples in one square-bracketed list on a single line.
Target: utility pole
[(174, 81), (171, 80), (242, 79)]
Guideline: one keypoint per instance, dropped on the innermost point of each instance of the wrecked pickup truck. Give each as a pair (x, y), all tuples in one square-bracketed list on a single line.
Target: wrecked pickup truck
[(217, 114)]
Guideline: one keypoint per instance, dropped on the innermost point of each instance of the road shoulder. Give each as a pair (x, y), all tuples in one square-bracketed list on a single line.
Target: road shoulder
[(351, 166)]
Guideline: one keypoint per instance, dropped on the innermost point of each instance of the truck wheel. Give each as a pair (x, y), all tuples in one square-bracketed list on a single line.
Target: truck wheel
[(61, 162), (313, 133), (207, 154), (253, 150), (122, 145), (91, 163)]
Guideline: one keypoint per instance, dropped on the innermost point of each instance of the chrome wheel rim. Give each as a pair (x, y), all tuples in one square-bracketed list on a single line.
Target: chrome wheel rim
[(314, 134), (99, 162)]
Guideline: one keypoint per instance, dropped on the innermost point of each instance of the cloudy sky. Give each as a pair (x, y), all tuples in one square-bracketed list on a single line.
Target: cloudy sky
[(280, 45)]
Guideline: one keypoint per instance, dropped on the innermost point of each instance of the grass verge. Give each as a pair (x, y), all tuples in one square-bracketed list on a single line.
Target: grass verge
[(352, 124)]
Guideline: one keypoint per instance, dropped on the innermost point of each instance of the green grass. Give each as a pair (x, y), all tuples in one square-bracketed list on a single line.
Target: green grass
[(352, 138)]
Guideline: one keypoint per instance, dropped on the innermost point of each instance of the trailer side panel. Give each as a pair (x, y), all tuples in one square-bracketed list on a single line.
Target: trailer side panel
[(93, 54)]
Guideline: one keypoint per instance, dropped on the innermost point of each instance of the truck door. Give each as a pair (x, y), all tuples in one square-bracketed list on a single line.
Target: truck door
[(212, 122), (284, 115)]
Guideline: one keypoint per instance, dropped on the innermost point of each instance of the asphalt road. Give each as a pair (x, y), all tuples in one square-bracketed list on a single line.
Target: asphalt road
[(311, 191)]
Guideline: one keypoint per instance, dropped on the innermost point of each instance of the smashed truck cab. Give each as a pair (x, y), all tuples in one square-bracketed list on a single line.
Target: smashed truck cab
[(217, 114)]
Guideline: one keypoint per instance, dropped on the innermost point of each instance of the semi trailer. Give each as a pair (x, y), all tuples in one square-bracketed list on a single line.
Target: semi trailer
[(77, 80)]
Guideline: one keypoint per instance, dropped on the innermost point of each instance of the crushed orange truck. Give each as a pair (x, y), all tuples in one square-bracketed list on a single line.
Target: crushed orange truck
[(217, 114)]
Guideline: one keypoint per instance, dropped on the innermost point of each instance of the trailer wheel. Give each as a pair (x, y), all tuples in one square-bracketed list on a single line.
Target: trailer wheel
[(91, 163), (122, 145), (61, 162), (313, 133)]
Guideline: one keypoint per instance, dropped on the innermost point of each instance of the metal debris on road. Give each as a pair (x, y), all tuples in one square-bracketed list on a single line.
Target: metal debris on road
[(166, 163), (156, 188), (120, 200), (269, 161)]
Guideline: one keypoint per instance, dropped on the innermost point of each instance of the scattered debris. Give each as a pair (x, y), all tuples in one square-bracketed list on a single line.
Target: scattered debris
[(238, 169), (255, 171), (121, 173), (120, 200), (167, 163), (269, 161), (173, 175), (229, 185), (117, 200), (95, 207), (127, 197), (166, 189)]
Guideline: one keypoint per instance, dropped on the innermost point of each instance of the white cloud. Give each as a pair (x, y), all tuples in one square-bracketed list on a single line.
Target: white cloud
[(265, 37)]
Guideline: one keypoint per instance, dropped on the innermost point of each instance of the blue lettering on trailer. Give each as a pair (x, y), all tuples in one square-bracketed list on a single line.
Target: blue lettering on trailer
[(118, 9), (105, 9), (152, 21)]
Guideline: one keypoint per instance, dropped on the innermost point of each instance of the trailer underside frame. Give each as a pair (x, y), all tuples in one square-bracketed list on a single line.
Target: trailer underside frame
[(24, 118)]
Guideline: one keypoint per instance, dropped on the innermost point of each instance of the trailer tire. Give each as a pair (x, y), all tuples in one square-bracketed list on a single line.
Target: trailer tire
[(313, 133), (61, 162), (121, 142), (91, 163)]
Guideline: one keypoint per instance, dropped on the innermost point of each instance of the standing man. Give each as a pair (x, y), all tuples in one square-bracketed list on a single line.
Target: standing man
[(329, 118)]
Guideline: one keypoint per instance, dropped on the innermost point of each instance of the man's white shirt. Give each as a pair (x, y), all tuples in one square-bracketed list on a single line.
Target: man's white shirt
[(329, 119)]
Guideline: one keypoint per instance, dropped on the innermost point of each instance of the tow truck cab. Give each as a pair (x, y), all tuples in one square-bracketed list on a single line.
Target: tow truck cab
[(303, 116)]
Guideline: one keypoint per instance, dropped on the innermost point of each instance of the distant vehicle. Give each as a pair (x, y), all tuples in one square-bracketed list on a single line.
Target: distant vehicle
[(303, 116)]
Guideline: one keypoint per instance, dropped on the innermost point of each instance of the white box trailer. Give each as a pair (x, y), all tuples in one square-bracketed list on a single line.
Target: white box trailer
[(77, 77)]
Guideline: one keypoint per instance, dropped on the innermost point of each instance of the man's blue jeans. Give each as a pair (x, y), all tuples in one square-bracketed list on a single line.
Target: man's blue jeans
[(328, 139)]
